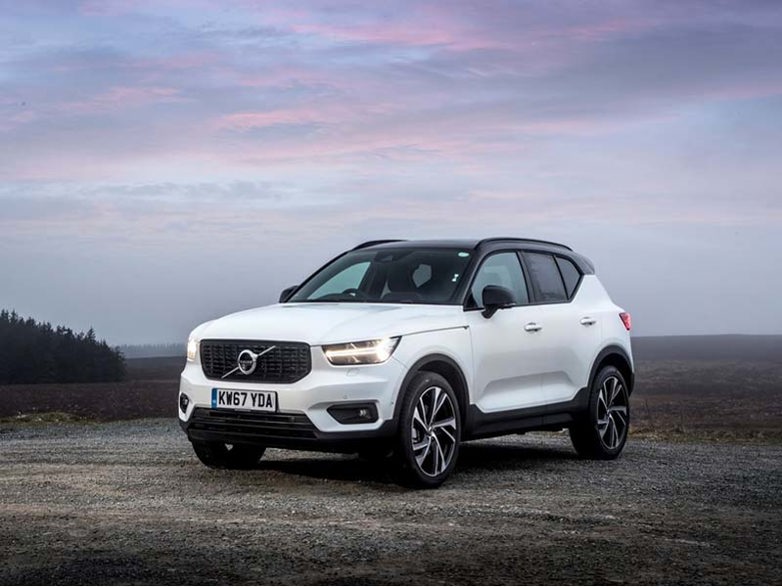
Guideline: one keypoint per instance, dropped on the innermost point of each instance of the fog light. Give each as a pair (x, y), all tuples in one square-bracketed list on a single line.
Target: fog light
[(353, 413), (184, 401)]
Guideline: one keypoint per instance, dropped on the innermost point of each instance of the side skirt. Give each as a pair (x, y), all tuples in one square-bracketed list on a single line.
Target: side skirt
[(548, 417)]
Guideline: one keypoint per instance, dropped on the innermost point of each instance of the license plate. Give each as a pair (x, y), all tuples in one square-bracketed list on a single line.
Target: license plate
[(260, 401)]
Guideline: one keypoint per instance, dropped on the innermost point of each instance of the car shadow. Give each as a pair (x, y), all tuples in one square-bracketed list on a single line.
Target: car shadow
[(472, 458), (332, 467), (497, 456)]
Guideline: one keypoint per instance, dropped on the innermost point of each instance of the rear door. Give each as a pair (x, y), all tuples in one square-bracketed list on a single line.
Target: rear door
[(569, 331)]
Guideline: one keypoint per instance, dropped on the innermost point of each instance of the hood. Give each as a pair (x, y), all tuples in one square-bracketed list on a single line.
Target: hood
[(320, 323)]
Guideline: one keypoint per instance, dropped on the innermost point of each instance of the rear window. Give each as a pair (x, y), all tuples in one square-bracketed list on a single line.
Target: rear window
[(570, 274), (545, 277)]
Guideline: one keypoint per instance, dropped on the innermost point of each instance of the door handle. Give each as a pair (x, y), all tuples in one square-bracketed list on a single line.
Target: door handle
[(532, 327), (587, 321)]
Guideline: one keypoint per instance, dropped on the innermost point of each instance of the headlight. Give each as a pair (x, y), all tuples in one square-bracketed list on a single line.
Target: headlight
[(361, 353), (192, 349)]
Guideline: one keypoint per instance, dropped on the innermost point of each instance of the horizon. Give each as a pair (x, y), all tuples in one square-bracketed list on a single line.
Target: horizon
[(728, 334), (163, 164), (183, 344)]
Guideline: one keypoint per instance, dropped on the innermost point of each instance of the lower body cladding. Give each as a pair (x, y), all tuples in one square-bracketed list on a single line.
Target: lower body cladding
[(336, 409)]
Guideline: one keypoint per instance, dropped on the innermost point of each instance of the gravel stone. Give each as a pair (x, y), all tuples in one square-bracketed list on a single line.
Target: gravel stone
[(128, 502)]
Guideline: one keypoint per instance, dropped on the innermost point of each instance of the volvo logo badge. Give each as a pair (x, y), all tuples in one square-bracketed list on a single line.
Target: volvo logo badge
[(247, 361)]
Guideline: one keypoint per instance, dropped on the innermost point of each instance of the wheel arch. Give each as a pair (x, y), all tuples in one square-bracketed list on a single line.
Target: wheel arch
[(444, 366), (614, 356)]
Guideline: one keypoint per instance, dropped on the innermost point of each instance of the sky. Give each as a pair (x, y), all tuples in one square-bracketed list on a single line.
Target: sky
[(164, 163)]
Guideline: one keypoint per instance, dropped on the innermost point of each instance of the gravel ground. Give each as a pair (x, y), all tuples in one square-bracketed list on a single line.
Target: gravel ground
[(127, 502)]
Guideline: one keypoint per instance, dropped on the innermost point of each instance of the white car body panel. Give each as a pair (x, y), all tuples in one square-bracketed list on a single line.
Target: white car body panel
[(319, 323)]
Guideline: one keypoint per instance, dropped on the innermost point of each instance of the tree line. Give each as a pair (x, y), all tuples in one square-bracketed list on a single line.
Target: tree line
[(36, 352)]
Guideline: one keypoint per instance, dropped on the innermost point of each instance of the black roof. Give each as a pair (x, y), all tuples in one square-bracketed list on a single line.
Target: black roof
[(456, 243), (486, 244), (435, 244)]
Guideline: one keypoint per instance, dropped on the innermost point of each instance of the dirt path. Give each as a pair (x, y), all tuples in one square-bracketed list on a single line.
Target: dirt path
[(127, 502)]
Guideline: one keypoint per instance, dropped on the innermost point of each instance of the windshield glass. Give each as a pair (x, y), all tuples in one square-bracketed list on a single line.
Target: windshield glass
[(399, 276)]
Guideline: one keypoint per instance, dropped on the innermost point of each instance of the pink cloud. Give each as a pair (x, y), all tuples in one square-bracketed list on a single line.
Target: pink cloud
[(290, 76), (179, 61), (122, 98), (334, 112), (403, 33), (460, 27), (243, 121), (17, 119), (758, 89)]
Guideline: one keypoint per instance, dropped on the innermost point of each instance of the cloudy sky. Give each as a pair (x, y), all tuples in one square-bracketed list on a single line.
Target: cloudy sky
[(162, 163)]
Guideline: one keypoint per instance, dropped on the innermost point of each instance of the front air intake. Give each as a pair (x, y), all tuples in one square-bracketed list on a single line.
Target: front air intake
[(286, 362)]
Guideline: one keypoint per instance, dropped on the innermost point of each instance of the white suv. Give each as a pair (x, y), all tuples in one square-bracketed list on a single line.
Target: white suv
[(404, 349)]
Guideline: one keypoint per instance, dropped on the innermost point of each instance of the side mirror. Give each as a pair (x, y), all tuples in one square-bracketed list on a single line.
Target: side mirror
[(287, 292), (496, 297)]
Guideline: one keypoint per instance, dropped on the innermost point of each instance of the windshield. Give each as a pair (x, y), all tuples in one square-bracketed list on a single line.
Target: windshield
[(399, 276)]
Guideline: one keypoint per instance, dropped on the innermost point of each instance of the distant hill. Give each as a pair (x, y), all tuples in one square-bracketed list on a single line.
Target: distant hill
[(728, 347), (141, 351), (155, 368)]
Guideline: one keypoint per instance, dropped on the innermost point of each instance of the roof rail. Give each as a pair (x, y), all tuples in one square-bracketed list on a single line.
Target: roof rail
[(379, 242), (525, 240)]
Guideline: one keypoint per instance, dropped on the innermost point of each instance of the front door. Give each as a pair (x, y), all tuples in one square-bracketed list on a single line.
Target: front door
[(506, 349)]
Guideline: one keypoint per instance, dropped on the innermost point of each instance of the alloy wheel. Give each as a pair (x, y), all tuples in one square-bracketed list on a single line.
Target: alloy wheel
[(434, 431), (612, 420)]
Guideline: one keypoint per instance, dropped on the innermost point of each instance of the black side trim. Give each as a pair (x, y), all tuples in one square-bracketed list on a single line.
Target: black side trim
[(551, 416), (614, 350)]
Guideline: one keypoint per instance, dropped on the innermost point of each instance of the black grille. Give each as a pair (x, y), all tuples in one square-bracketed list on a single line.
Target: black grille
[(286, 363), (251, 426)]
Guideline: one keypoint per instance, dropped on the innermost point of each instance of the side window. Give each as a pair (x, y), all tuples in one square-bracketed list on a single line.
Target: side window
[(570, 274), (501, 269), (346, 279), (545, 276)]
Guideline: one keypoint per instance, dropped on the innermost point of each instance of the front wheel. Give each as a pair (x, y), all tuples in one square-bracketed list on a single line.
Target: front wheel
[(429, 431), (602, 433), (219, 455)]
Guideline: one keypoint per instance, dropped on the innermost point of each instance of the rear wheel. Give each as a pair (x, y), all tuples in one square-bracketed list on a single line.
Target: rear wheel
[(219, 455), (429, 431), (602, 433)]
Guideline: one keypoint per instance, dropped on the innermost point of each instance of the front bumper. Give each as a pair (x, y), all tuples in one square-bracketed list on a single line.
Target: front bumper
[(302, 419), (278, 430)]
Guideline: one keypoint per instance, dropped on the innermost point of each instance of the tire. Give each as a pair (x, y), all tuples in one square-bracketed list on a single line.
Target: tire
[(218, 455), (429, 432), (602, 432)]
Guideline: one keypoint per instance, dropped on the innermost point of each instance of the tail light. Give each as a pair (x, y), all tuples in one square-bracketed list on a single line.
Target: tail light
[(626, 320)]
